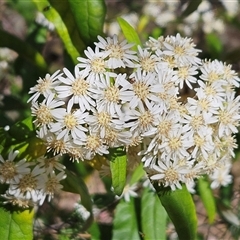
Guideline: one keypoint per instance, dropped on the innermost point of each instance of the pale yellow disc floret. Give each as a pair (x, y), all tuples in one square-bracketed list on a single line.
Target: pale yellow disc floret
[(79, 87)]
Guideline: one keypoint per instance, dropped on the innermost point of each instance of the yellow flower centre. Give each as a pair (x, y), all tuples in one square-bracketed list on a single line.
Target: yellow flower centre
[(98, 65), (111, 136), (164, 127), (116, 51), (79, 87), (225, 118), (213, 76), (148, 64), (44, 85), (104, 118), (170, 60), (174, 143), (8, 170), (43, 115), (75, 154), (204, 104), (210, 91), (58, 146), (51, 184), (197, 121), (183, 72), (145, 119), (141, 90), (171, 175), (70, 121), (198, 141), (27, 183), (179, 50), (93, 142), (112, 94)]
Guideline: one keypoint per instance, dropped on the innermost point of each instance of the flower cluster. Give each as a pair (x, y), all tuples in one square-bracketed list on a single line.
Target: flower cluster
[(30, 183), (179, 111)]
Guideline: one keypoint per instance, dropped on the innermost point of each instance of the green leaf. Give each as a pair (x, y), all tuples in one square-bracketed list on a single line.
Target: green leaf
[(137, 174), (22, 137), (16, 224), (89, 16), (214, 44), (129, 33), (181, 210), (207, 197), (22, 129), (125, 221), (191, 7), (23, 49), (153, 216), (67, 16), (118, 165), (64, 33), (94, 231)]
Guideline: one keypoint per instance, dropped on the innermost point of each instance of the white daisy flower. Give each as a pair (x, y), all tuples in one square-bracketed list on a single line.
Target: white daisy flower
[(50, 185), (221, 176), (111, 93), (175, 145), (45, 86), (75, 89), (167, 82), (186, 75), (116, 138), (120, 54), (169, 173), (145, 89), (93, 145), (43, 113), (228, 144), (94, 64), (194, 121), (143, 119), (100, 121), (182, 49), (155, 44), (75, 152), (28, 184), (203, 143), (228, 117), (164, 123), (54, 145), (213, 91), (147, 61), (19, 200), (230, 75), (209, 164), (11, 170), (129, 191), (69, 123), (50, 164), (212, 71), (203, 105)]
